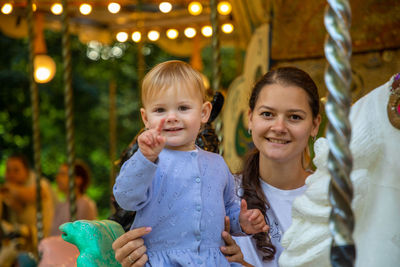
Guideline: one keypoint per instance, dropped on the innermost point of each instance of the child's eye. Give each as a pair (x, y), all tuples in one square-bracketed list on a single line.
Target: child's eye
[(159, 110), (183, 108)]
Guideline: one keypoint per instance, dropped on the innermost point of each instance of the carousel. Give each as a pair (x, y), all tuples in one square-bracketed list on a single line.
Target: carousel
[(349, 214)]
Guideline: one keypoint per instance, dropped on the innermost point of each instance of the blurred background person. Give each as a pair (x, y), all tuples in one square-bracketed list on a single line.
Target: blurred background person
[(86, 207)]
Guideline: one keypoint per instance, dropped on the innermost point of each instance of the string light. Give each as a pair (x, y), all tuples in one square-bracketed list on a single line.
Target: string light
[(34, 7), (6, 8), (136, 36), (190, 32), (122, 37), (165, 7), (227, 28), (224, 8), (153, 35), (114, 7), (85, 9), (172, 34), (206, 31), (56, 9), (195, 8)]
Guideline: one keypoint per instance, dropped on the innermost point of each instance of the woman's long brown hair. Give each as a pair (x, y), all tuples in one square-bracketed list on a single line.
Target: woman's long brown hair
[(252, 191)]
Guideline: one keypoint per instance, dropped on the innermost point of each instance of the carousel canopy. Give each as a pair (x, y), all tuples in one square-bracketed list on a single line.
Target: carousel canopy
[(297, 27)]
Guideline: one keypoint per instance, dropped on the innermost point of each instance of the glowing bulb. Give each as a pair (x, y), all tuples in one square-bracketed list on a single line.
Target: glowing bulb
[(227, 28), (56, 9), (44, 68), (34, 7), (6, 8), (195, 8), (136, 36), (85, 9), (153, 35), (206, 31), (122, 37), (172, 34), (224, 8), (114, 7), (190, 32), (165, 7)]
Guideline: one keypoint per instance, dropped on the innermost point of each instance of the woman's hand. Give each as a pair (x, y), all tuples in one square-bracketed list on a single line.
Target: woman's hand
[(129, 248), (232, 251)]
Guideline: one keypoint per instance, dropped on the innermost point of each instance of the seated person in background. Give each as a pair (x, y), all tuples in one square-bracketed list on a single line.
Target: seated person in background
[(18, 197), (86, 207)]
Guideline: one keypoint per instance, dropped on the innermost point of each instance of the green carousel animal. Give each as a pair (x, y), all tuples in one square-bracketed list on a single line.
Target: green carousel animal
[(94, 240)]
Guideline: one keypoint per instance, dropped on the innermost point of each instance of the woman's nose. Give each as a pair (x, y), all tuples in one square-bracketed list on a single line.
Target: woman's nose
[(279, 125)]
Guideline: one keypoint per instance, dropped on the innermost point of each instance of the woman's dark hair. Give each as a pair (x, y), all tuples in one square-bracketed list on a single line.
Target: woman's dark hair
[(83, 171), (252, 191), (22, 158)]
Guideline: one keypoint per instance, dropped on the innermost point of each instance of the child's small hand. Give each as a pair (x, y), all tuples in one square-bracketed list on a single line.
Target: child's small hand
[(151, 142), (252, 221)]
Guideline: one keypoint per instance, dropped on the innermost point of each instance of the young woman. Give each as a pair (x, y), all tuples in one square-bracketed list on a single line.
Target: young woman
[(283, 116)]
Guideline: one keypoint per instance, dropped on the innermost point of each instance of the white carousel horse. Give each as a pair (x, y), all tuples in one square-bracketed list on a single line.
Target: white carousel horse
[(375, 146)]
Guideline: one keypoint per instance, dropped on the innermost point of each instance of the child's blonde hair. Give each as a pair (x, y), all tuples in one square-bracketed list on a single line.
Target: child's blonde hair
[(169, 74)]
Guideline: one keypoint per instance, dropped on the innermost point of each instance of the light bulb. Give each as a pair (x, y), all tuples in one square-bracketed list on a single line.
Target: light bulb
[(56, 9), (206, 31), (190, 32), (153, 35), (165, 7), (227, 28), (172, 34), (136, 36), (224, 8), (122, 37), (85, 9), (195, 8), (6, 8), (114, 7)]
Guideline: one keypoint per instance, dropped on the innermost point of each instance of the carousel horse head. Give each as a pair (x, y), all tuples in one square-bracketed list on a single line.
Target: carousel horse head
[(94, 240), (375, 147)]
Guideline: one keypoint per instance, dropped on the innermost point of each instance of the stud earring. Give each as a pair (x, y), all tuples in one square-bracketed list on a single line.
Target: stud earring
[(249, 131)]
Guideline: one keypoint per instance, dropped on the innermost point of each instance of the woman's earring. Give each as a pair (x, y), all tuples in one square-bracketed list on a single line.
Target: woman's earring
[(314, 138), (249, 131)]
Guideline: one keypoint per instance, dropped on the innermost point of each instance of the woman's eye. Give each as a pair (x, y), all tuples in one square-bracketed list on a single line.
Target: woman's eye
[(296, 117), (266, 114)]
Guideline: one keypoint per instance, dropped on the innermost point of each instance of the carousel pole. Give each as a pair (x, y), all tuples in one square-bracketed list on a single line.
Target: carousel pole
[(68, 102), (216, 61), (113, 130), (35, 125), (338, 80)]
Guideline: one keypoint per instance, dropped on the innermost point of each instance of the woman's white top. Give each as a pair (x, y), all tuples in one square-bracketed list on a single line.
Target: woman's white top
[(280, 218)]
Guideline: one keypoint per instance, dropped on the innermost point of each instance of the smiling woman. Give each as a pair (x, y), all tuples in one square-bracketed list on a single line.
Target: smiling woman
[(283, 115)]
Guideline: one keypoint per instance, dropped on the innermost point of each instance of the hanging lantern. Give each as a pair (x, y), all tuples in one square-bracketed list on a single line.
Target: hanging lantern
[(44, 68)]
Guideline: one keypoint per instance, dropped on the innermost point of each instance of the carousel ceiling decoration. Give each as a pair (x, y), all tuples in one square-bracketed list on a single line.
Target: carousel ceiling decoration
[(122, 20)]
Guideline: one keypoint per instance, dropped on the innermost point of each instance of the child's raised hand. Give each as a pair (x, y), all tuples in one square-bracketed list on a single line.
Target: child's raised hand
[(252, 221), (151, 142)]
